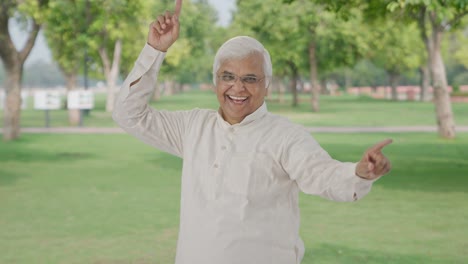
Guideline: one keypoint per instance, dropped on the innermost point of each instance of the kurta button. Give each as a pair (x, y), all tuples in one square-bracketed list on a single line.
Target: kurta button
[(215, 166), (231, 130), (223, 147)]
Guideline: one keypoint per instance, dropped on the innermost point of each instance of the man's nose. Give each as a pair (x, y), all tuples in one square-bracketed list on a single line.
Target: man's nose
[(238, 84)]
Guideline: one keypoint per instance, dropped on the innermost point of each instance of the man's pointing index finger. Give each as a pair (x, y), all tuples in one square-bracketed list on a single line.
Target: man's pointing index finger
[(178, 7), (379, 146)]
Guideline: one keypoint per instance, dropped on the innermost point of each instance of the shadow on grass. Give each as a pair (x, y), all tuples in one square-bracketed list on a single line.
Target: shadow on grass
[(417, 164), (429, 167), (9, 177), (41, 156), (17, 156), (330, 253), (165, 161)]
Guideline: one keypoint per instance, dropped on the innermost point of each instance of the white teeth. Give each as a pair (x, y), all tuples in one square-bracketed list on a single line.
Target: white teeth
[(237, 98)]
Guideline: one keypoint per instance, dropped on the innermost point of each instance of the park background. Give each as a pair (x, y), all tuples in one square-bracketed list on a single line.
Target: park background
[(352, 72)]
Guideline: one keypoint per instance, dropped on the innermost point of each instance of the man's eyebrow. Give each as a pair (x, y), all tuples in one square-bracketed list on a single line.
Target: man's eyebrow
[(247, 75)]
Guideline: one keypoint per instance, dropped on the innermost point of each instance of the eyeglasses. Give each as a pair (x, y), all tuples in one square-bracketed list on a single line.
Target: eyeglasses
[(231, 79)]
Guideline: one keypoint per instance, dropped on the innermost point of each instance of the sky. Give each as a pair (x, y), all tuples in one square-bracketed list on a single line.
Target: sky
[(42, 52)]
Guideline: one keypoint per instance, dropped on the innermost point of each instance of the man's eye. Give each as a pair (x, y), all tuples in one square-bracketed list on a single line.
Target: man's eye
[(228, 78), (249, 79)]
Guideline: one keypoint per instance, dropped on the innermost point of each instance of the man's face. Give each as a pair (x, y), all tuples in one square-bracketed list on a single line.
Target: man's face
[(240, 87)]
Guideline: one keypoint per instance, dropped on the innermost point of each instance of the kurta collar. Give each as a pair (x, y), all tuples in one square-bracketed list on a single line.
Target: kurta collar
[(259, 113)]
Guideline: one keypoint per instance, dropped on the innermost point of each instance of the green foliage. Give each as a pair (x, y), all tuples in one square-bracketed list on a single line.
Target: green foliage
[(66, 34), (365, 73), (396, 46), (110, 21), (447, 14), (341, 31), (77, 26), (460, 40), (34, 9), (287, 30), (444, 15), (277, 27), (190, 60)]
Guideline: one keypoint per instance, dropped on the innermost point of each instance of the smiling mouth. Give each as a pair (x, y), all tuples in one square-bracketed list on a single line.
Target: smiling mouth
[(237, 99)]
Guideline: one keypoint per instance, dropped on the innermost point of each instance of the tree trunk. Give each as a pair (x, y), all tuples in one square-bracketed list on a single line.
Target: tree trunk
[(178, 88), (348, 79), (293, 82), (281, 91), (168, 87), (315, 89), (293, 88), (426, 69), (13, 62), (323, 87), (12, 110), (393, 79), (73, 114), (111, 71), (443, 105), (272, 86), (425, 82)]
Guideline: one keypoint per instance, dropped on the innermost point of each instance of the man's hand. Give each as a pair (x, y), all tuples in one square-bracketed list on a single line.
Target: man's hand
[(164, 31), (374, 164)]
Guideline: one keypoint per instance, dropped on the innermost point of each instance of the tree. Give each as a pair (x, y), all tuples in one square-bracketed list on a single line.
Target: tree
[(334, 42), (111, 23), (461, 50), (64, 30), (305, 37), (31, 12), (276, 26), (190, 60), (434, 19), (395, 48)]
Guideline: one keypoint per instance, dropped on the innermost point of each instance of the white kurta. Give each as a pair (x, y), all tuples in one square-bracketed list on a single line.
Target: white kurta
[(240, 183)]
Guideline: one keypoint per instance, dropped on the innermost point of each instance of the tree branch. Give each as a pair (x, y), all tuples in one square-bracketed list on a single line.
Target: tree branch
[(23, 54), (456, 19), (7, 48), (422, 23), (105, 59)]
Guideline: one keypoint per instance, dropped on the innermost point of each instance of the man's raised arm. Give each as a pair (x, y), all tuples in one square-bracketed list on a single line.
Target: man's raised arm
[(161, 129)]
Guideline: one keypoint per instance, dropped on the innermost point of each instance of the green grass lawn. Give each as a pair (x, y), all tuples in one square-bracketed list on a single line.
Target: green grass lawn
[(111, 199), (335, 111)]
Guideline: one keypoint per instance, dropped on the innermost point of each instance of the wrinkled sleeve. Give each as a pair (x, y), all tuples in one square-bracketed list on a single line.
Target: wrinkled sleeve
[(161, 129), (316, 173)]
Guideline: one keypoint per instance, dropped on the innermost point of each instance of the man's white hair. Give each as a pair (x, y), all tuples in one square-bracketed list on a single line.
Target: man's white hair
[(239, 48)]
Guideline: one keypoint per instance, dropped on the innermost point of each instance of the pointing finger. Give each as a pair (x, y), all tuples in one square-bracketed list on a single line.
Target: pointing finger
[(379, 146), (178, 7)]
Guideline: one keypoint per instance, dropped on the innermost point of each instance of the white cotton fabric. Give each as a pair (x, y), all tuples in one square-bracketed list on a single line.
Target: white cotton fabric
[(240, 183)]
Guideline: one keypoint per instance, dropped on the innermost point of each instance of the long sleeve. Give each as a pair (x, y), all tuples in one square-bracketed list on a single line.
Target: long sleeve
[(317, 173), (161, 129)]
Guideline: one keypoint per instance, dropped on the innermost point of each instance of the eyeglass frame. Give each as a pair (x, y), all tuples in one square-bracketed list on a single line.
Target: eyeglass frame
[(241, 78)]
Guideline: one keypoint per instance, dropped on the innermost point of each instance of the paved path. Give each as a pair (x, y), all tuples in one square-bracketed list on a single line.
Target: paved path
[(115, 130)]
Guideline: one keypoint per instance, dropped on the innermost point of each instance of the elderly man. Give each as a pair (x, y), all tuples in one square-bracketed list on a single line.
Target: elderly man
[(243, 167)]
